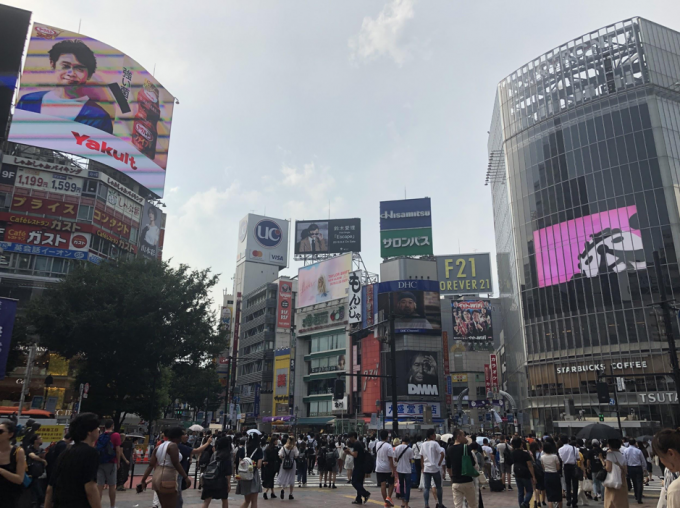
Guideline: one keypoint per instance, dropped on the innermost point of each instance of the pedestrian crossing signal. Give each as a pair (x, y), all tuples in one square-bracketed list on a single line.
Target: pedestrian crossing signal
[(601, 418)]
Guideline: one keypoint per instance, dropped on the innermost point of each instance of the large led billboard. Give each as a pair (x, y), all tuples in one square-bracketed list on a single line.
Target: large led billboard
[(13, 29), (324, 281), (81, 96), (406, 228), (327, 236), (605, 242), (418, 373), (263, 240), (415, 304)]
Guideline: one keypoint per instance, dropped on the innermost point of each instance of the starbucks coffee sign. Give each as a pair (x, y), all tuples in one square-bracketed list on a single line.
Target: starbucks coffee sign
[(600, 367), (658, 398)]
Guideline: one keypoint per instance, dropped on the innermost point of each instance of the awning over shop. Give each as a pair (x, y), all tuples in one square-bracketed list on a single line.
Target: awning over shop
[(321, 420), (268, 419)]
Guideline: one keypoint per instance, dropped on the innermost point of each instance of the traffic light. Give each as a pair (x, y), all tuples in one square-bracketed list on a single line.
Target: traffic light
[(601, 418), (338, 389), (603, 393)]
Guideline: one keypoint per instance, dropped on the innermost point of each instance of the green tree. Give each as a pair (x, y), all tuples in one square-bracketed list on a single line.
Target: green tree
[(195, 385), (129, 323)]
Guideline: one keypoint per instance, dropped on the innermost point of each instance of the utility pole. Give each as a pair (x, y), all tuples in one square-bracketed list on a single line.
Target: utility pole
[(27, 379), (665, 306)]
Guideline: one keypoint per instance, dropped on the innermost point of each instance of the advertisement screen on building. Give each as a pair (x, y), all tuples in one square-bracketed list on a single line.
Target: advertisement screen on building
[(370, 366), (284, 306), (605, 242), (327, 236), (464, 274), (81, 96), (405, 214), (421, 372), (415, 304), (472, 320), (150, 233), (13, 31), (263, 240), (281, 375), (324, 281)]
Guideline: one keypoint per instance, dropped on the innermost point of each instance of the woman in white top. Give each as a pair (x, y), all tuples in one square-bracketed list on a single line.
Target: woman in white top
[(552, 473), (165, 462), (666, 445), (288, 453), (616, 498)]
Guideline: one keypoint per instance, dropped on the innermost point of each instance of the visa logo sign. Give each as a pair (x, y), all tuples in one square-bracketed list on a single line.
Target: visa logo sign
[(276, 257)]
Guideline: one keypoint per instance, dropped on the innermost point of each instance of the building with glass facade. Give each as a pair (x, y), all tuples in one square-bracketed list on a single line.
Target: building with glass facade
[(584, 168)]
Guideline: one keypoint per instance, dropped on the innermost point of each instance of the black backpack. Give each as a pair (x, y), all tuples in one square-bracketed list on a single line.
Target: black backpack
[(507, 455), (330, 458), (287, 460), (369, 463), (321, 459), (206, 456), (212, 471)]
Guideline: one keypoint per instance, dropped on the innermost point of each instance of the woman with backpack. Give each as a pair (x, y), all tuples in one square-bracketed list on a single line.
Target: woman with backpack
[(301, 463), (217, 476), (321, 463), (248, 473), (270, 467), (332, 463), (536, 452), (288, 455)]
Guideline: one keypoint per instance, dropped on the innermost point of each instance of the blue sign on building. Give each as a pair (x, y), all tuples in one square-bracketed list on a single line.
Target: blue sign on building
[(405, 214)]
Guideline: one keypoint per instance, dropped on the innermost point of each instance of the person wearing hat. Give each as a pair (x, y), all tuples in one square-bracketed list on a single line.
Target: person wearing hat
[(407, 312)]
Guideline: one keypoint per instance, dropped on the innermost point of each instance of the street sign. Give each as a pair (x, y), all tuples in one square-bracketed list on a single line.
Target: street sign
[(612, 402), (620, 384)]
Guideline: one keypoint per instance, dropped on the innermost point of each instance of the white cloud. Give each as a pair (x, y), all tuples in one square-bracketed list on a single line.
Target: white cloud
[(383, 36)]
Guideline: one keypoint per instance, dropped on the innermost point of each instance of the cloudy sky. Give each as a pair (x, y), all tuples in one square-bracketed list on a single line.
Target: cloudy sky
[(300, 106)]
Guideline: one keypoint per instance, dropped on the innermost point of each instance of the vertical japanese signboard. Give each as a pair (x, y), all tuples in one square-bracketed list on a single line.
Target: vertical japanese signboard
[(493, 359), (355, 297), (447, 374), (8, 311), (487, 377), (285, 304)]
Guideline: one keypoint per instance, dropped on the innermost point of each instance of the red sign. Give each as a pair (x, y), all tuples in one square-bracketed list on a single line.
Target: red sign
[(487, 377), (494, 372), (445, 341), (42, 237), (111, 223), (44, 206), (370, 366), (284, 309)]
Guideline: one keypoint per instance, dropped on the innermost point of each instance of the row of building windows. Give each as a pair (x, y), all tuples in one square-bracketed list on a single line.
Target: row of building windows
[(320, 408), (646, 384), (256, 300), (327, 342), (257, 314), (41, 266), (320, 386), (259, 346), (258, 329), (326, 364)]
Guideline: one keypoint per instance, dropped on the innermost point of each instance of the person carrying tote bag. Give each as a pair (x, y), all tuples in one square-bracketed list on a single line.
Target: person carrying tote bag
[(166, 464), (615, 489)]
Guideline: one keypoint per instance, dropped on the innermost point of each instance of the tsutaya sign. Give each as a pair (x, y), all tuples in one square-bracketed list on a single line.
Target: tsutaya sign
[(600, 367), (658, 398)]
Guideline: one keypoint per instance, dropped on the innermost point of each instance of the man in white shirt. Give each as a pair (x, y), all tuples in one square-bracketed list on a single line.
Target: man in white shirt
[(431, 460), (636, 462), (402, 456), (489, 457), (371, 444), (570, 455), (505, 467), (418, 443), (385, 467)]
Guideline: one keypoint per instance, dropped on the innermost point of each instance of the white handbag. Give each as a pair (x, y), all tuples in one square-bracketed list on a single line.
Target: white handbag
[(614, 480)]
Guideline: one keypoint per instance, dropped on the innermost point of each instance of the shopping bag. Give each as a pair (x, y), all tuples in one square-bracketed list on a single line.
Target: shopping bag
[(613, 480)]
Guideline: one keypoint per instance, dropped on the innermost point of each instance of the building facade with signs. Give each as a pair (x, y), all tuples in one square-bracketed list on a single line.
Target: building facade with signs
[(263, 330), (321, 352), (583, 168)]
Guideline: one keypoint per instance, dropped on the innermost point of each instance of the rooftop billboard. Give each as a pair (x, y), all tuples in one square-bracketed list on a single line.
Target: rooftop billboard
[(81, 96), (324, 281), (327, 236), (464, 274), (13, 29), (263, 240)]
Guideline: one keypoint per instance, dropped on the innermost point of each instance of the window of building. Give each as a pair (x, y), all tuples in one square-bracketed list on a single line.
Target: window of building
[(90, 187), (326, 364), (103, 191), (327, 342), (133, 235), (85, 212), (320, 387), (320, 408)]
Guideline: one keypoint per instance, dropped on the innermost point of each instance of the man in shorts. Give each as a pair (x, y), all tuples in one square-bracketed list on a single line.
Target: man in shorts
[(505, 467), (108, 446), (385, 468)]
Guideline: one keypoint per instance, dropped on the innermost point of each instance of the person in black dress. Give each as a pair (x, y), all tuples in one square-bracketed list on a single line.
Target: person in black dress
[(270, 466), (221, 488)]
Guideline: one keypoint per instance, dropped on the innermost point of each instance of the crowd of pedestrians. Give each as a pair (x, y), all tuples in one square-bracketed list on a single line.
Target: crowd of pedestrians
[(546, 471)]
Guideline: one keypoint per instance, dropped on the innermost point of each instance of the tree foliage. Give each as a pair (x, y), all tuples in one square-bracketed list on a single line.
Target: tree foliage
[(196, 385), (129, 324)]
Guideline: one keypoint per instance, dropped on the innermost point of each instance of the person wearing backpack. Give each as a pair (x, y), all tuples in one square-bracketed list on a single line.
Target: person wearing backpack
[(524, 472), (321, 464), (248, 471), (108, 446), (204, 458), (505, 461), (288, 455), (217, 475), (301, 463), (270, 467), (332, 463)]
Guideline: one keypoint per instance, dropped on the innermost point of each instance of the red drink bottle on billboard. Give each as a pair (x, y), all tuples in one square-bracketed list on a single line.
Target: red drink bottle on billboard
[(144, 133)]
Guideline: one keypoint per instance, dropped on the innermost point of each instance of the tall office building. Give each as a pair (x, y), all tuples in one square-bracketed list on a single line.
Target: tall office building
[(584, 167)]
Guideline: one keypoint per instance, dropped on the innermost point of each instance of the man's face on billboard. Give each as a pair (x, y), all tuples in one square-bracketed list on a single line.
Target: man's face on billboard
[(314, 233), (417, 369), (475, 316), (70, 72), (407, 306)]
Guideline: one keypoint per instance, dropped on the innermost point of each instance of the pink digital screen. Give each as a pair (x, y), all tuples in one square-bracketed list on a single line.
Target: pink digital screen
[(605, 242)]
